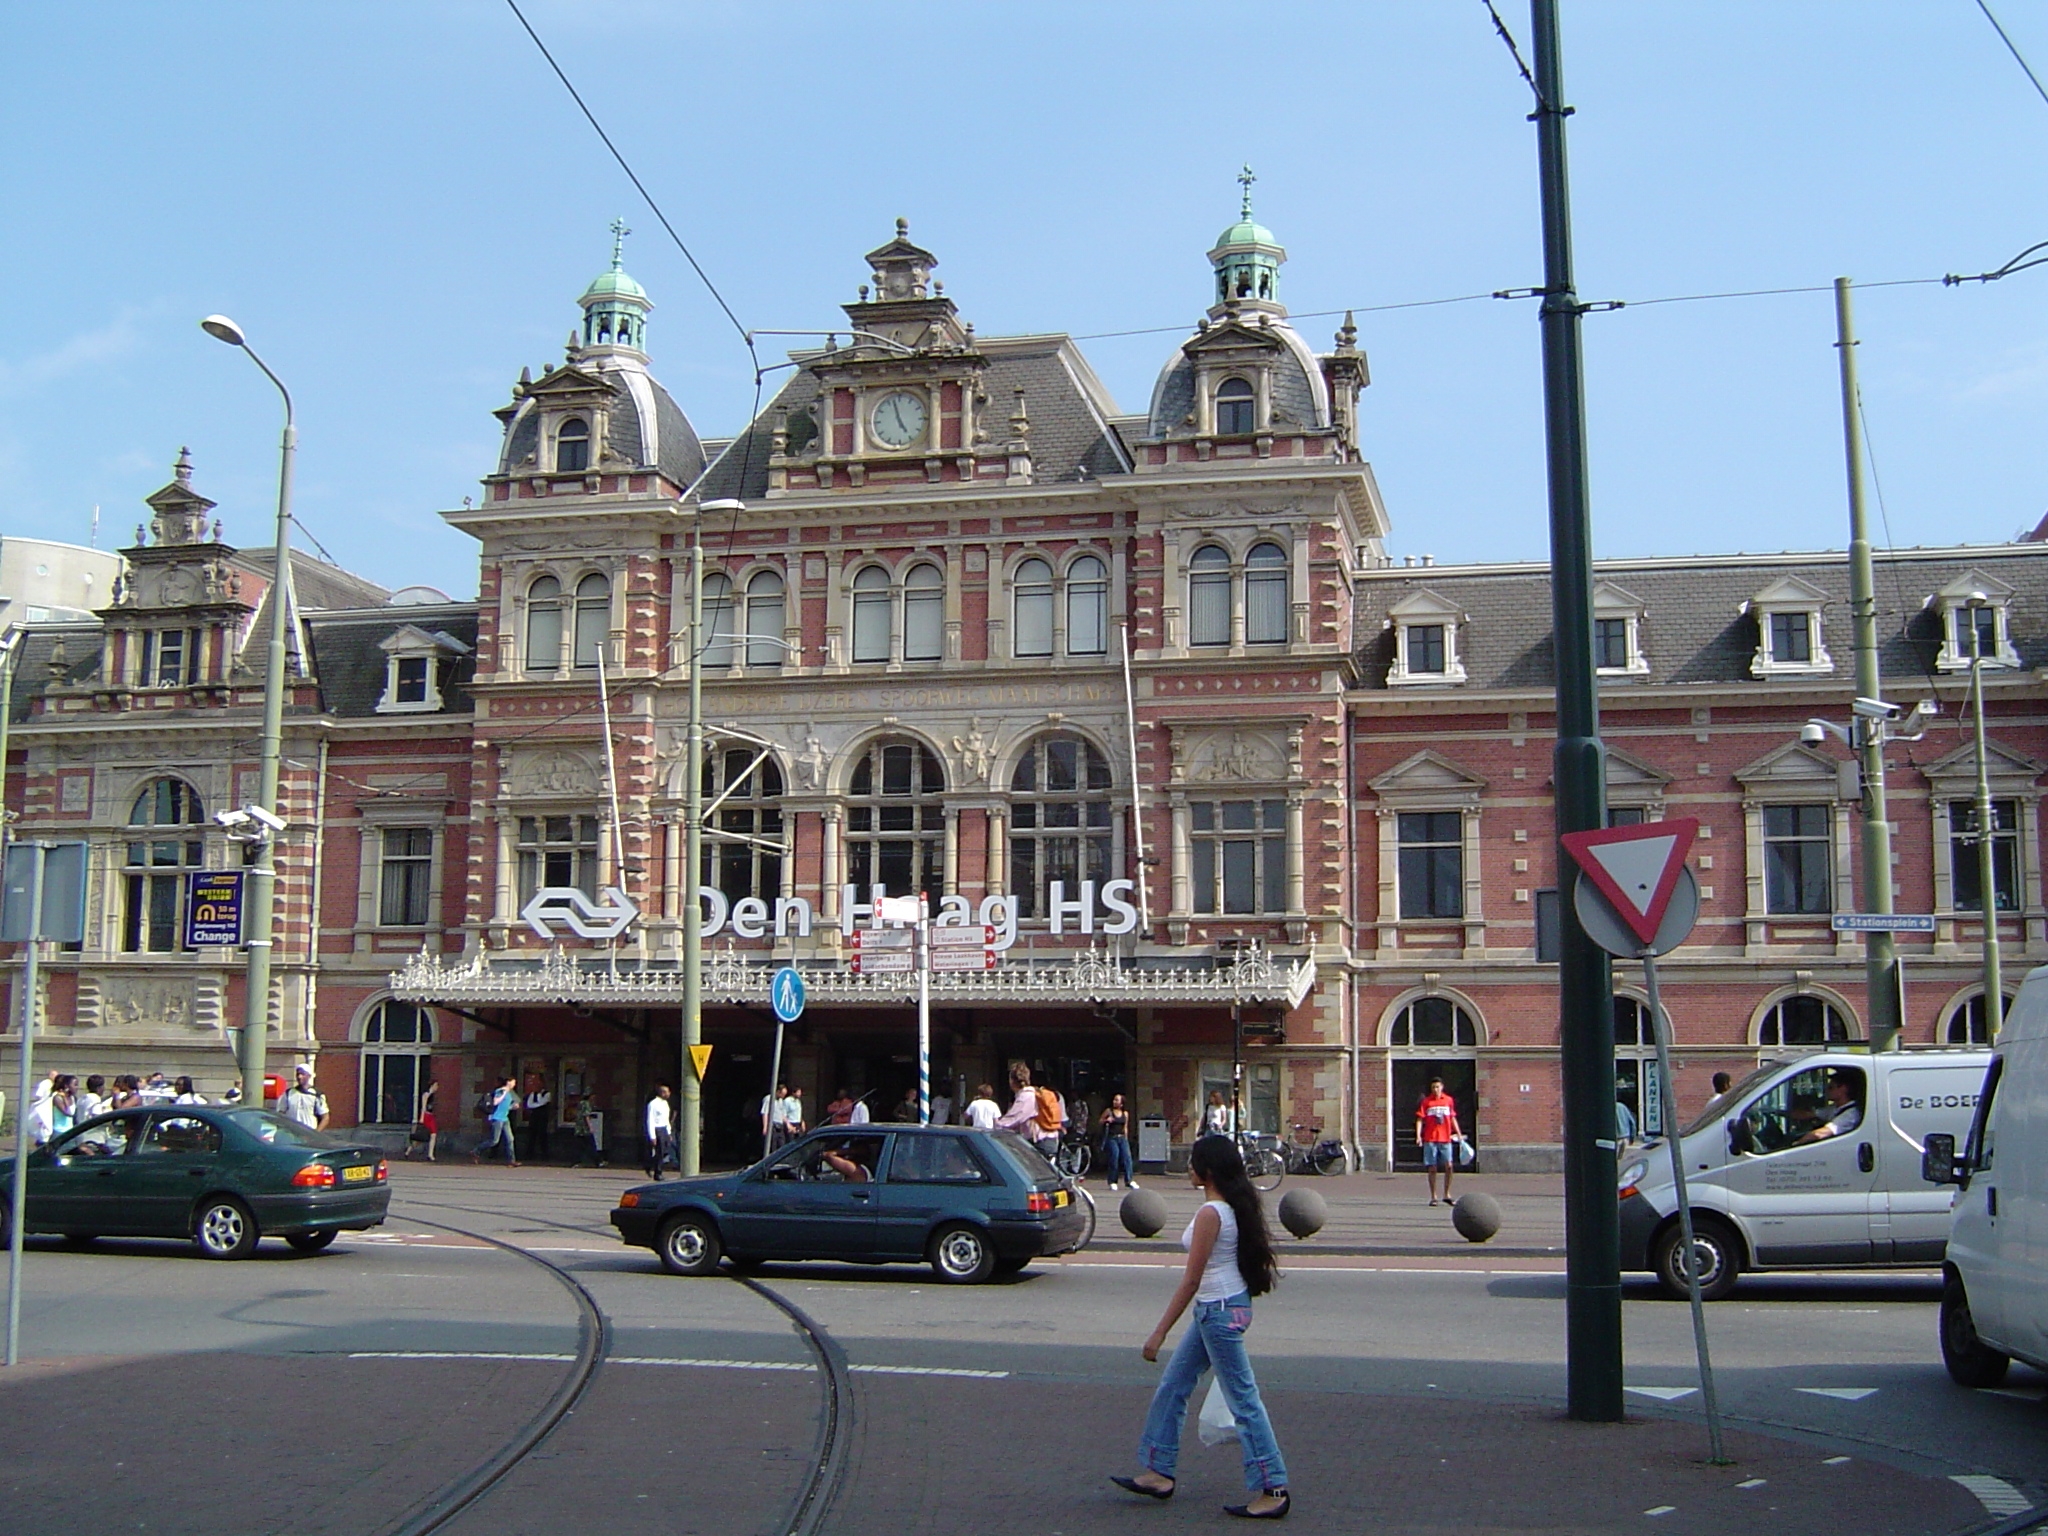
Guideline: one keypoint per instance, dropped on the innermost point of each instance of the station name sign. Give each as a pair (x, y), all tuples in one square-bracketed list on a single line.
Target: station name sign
[(1106, 909)]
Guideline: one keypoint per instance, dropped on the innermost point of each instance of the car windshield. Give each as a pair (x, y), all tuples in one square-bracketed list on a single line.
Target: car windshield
[(1720, 1103), (1024, 1157), (276, 1130)]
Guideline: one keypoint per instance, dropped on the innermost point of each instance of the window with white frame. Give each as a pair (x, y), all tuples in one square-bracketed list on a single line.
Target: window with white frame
[(1618, 632), (1965, 873), (1426, 630), (170, 657), (1238, 855), (717, 610), (764, 620), (924, 613), (920, 621), (1803, 1019), (165, 841), (1433, 1023), (895, 819), (1031, 609), (1265, 595), (398, 1063), (405, 876), (1798, 859), (1087, 607), (1237, 405), (557, 851), (1059, 821), (1431, 874), (544, 624), (1635, 1063), (572, 446), (1209, 596), (1788, 626), (872, 602), (593, 619), (414, 668), (1975, 614)]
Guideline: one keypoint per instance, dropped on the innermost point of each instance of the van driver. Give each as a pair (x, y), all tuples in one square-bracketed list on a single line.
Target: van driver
[(1840, 1115)]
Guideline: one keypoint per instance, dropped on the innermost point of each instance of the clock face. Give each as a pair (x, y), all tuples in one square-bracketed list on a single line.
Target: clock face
[(899, 418)]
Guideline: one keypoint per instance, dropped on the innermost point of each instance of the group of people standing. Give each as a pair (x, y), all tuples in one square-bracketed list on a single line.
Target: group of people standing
[(61, 1100)]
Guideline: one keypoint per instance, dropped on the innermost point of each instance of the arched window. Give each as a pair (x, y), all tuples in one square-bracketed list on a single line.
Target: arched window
[(764, 620), (1967, 1023), (1059, 821), (1031, 610), (1236, 406), (718, 617), (1265, 595), (895, 822), (1802, 1020), (871, 600), (398, 1062), (544, 625), (1087, 607), (1635, 1063), (1209, 597), (165, 841), (743, 844), (924, 613), (572, 446), (593, 619), (1433, 1023)]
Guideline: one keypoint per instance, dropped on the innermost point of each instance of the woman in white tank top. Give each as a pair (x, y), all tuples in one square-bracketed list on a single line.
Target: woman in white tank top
[(1230, 1260)]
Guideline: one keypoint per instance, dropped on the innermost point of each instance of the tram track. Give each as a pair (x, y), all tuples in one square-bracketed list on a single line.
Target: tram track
[(814, 1500)]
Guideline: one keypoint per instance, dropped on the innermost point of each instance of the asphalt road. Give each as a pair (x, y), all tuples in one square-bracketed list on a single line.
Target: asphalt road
[(338, 1391)]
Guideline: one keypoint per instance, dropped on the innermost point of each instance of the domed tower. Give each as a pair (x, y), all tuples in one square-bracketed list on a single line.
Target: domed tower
[(601, 421), (1246, 385)]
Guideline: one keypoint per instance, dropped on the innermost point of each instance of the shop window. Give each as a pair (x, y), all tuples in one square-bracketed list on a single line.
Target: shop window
[(1238, 855), (1431, 874), (895, 819), (1059, 821), (165, 841), (398, 1063)]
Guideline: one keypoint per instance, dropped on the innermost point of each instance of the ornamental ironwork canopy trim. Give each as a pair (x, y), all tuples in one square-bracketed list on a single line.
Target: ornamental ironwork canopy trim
[(1088, 976)]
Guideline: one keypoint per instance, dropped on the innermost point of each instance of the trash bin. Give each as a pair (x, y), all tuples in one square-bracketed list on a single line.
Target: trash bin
[(1152, 1142)]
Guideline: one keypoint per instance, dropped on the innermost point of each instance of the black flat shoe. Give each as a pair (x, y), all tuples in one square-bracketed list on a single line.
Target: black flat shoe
[(1132, 1485), (1245, 1511)]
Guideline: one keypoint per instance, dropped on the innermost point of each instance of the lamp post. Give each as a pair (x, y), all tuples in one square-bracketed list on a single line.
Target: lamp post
[(1987, 843), (259, 924)]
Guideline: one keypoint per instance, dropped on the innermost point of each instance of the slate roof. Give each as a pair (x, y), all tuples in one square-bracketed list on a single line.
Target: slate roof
[(1071, 438), (350, 666), (82, 644), (1294, 396), (677, 452), (1694, 630)]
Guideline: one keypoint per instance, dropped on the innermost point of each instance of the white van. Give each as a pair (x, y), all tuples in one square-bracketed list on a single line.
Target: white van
[(1994, 1308), (1805, 1164)]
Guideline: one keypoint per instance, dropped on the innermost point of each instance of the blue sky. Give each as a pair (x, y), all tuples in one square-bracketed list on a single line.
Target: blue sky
[(400, 204)]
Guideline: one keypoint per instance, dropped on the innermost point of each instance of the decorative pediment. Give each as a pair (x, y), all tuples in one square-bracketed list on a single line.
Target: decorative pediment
[(1630, 780), (1231, 335), (1428, 776), (557, 773), (1236, 754), (1788, 592), (411, 640), (566, 381), (1425, 605), (2010, 772), (1612, 601), (1791, 766), (1968, 585)]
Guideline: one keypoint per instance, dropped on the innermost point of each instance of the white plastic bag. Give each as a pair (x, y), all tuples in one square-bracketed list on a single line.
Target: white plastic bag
[(1467, 1155), (1217, 1425)]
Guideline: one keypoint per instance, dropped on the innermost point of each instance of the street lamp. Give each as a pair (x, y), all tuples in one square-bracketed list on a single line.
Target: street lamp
[(1976, 604), (257, 929)]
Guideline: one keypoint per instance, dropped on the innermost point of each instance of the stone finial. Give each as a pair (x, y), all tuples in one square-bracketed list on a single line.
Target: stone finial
[(183, 468), (1347, 334), (1020, 417), (903, 229)]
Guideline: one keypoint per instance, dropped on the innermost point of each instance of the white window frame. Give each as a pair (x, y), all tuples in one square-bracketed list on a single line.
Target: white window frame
[(1789, 595), (1426, 608), (1611, 602), (411, 643), (1952, 602)]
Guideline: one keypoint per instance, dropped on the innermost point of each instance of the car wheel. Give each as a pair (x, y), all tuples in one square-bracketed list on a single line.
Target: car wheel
[(224, 1229), (688, 1245), (1012, 1266), (961, 1255), (1970, 1361), (1717, 1259), (311, 1242)]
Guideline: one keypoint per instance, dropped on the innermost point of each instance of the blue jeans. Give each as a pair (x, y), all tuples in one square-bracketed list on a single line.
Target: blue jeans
[(1117, 1149), (1215, 1338), (500, 1134)]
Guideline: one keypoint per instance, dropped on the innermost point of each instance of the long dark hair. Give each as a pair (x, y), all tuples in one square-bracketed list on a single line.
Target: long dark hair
[(1216, 1161)]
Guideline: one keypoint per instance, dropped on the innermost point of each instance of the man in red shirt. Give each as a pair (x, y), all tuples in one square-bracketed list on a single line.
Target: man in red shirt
[(1436, 1130)]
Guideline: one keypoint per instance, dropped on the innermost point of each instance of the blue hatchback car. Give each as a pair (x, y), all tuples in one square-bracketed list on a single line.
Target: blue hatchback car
[(970, 1203)]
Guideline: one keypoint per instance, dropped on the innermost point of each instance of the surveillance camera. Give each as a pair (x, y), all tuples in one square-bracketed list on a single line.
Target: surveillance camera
[(232, 819), (1813, 733), (269, 819), (1876, 709)]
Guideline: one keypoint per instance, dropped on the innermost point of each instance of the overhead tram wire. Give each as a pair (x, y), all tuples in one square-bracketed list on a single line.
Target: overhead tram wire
[(2013, 49)]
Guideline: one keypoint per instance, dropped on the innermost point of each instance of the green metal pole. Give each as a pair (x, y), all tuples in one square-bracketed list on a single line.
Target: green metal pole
[(31, 984), (690, 1101), (1585, 974), (1880, 950), (1987, 841)]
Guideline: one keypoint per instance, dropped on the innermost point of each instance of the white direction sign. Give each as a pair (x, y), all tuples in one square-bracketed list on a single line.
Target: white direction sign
[(962, 935), (570, 908), (1883, 922)]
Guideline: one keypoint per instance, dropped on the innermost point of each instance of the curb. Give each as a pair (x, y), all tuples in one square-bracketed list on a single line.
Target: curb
[(1336, 1250)]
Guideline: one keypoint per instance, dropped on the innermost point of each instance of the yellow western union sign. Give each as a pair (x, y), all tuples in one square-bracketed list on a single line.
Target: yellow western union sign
[(700, 1058)]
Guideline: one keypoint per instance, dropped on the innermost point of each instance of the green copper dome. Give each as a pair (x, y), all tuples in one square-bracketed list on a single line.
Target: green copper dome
[(1246, 231), (614, 284)]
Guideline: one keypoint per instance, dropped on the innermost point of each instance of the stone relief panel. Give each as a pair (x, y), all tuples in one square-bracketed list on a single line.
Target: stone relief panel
[(1234, 754), (551, 772), (144, 1004)]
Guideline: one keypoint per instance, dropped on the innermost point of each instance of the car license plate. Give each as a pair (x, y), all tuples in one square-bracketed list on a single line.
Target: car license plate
[(359, 1175), (1060, 1198)]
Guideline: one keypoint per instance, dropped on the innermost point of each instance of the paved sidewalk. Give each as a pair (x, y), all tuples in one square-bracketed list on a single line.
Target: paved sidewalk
[(1370, 1215)]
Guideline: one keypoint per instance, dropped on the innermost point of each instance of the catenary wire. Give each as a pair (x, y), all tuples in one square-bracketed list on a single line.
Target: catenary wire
[(2013, 49)]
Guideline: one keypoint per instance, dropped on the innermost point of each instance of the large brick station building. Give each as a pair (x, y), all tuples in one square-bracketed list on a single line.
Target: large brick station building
[(1143, 693)]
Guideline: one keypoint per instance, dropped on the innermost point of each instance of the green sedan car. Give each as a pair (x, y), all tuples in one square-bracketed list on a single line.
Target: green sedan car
[(218, 1175)]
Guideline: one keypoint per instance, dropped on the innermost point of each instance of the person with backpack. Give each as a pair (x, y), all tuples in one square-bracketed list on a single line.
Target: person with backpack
[(1230, 1260), (497, 1106), (1022, 1115), (1050, 1122)]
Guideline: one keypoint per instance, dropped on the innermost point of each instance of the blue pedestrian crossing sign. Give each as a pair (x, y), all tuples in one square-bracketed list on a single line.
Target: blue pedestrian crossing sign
[(786, 994)]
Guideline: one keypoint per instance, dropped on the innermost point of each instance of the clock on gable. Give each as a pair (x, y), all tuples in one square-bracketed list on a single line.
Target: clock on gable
[(898, 419)]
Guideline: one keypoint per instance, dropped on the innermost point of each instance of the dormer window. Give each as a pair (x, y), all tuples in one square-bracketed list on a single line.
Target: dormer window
[(414, 668), (572, 446), (1974, 602), (1426, 641), (1788, 628), (412, 680), (1618, 633), (1236, 408)]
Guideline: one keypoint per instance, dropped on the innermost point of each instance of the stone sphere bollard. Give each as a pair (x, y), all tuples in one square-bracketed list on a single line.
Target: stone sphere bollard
[(1303, 1212), (1476, 1216), (1143, 1213)]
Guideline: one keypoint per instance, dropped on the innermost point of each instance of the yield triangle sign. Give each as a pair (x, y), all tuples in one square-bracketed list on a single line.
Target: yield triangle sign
[(1635, 868)]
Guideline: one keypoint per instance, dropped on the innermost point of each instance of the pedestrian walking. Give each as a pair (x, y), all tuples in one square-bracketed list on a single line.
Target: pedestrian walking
[(590, 1130), (303, 1101), (498, 1105), (982, 1109), (661, 1140), (1230, 1260), (1722, 1083), (1022, 1115), (1116, 1142), (538, 1107), (1436, 1132), (1217, 1119), (774, 1126), (428, 1130)]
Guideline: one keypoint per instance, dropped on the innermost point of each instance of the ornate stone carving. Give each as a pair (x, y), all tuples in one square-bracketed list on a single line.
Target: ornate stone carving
[(976, 752), (138, 1004), (553, 773), (1236, 755)]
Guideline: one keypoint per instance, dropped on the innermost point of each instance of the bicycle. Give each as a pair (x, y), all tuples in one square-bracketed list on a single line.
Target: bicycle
[(1074, 1157), (1263, 1163), (1307, 1155)]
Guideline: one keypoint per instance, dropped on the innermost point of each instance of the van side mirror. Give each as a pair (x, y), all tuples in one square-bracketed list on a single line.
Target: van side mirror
[(1938, 1159), (1741, 1137)]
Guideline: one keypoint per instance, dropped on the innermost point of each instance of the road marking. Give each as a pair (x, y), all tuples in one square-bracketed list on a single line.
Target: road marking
[(714, 1365), (1836, 1461), (701, 1363), (1840, 1394), (1662, 1394), (1996, 1495), (1662, 1509), (448, 1354), (931, 1370), (1754, 1482)]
